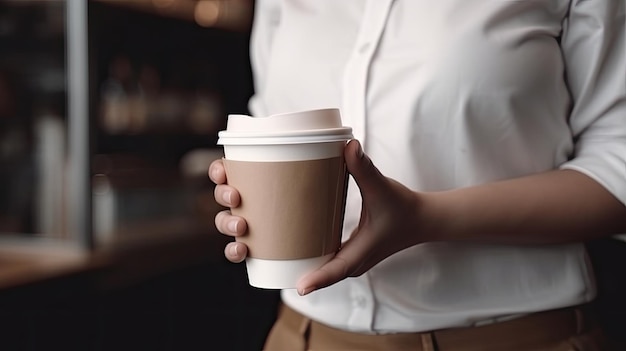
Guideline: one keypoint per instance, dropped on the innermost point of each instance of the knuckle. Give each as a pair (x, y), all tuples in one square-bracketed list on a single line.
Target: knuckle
[(218, 194), (220, 219)]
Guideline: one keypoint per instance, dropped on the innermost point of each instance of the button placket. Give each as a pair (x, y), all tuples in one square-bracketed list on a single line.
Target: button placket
[(354, 101), (355, 78), (362, 300)]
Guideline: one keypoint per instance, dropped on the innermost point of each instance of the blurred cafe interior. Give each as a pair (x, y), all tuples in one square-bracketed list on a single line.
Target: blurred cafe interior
[(109, 113)]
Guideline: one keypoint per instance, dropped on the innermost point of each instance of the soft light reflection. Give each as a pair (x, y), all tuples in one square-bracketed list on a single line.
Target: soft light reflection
[(225, 14), (207, 12)]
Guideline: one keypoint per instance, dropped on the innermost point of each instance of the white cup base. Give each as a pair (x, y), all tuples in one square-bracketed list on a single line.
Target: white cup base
[(281, 274)]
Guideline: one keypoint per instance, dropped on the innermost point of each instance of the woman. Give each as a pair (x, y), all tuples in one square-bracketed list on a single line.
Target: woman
[(491, 142)]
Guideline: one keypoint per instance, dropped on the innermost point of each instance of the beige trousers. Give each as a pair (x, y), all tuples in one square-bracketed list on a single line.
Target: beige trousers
[(570, 329)]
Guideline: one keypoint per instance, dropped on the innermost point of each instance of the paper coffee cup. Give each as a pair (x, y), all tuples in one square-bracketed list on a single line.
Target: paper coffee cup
[(290, 172)]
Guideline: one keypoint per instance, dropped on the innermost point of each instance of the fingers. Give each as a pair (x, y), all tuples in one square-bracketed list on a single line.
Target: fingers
[(226, 195), (216, 172), (235, 252), (231, 225), (225, 222)]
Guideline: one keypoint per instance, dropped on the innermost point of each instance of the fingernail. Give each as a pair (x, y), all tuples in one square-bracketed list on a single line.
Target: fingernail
[(233, 250), (305, 291), (226, 196), (232, 226)]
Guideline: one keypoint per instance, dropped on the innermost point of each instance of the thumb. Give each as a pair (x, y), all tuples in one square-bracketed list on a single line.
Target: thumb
[(365, 174), (352, 259), (346, 263)]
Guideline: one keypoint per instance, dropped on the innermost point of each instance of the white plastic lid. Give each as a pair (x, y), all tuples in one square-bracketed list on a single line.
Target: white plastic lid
[(312, 126)]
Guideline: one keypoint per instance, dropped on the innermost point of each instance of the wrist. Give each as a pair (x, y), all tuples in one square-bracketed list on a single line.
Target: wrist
[(434, 221)]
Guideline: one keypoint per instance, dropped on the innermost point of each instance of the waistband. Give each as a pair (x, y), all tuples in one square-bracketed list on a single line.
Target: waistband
[(530, 332)]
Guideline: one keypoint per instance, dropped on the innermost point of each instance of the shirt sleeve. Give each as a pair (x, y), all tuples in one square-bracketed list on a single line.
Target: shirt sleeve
[(594, 49)]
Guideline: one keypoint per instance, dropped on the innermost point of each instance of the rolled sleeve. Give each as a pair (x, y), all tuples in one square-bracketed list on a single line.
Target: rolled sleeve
[(594, 49)]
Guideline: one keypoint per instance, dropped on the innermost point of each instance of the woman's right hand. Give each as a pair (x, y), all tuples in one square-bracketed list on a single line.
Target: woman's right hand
[(225, 222)]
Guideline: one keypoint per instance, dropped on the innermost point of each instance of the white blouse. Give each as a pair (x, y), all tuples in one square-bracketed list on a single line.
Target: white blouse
[(446, 94)]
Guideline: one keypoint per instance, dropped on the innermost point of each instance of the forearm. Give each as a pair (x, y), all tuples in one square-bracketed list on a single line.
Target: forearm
[(554, 207)]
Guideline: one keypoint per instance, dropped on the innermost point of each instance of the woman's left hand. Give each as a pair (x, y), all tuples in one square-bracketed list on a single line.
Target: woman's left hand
[(388, 224)]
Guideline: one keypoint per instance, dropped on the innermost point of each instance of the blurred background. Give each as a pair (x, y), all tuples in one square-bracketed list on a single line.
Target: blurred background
[(107, 240), (147, 270)]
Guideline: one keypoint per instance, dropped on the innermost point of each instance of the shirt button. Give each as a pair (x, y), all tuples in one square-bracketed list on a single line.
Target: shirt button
[(364, 48), (360, 302)]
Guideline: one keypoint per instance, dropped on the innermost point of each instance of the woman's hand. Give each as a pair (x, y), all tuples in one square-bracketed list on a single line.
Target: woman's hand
[(225, 222), (388, 224)]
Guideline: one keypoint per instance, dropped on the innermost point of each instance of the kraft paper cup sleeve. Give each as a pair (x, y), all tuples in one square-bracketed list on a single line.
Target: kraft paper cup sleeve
[(293, 209)]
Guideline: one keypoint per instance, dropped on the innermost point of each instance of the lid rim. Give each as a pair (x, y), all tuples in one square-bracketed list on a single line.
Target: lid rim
[(288, 141), (290, 133)]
